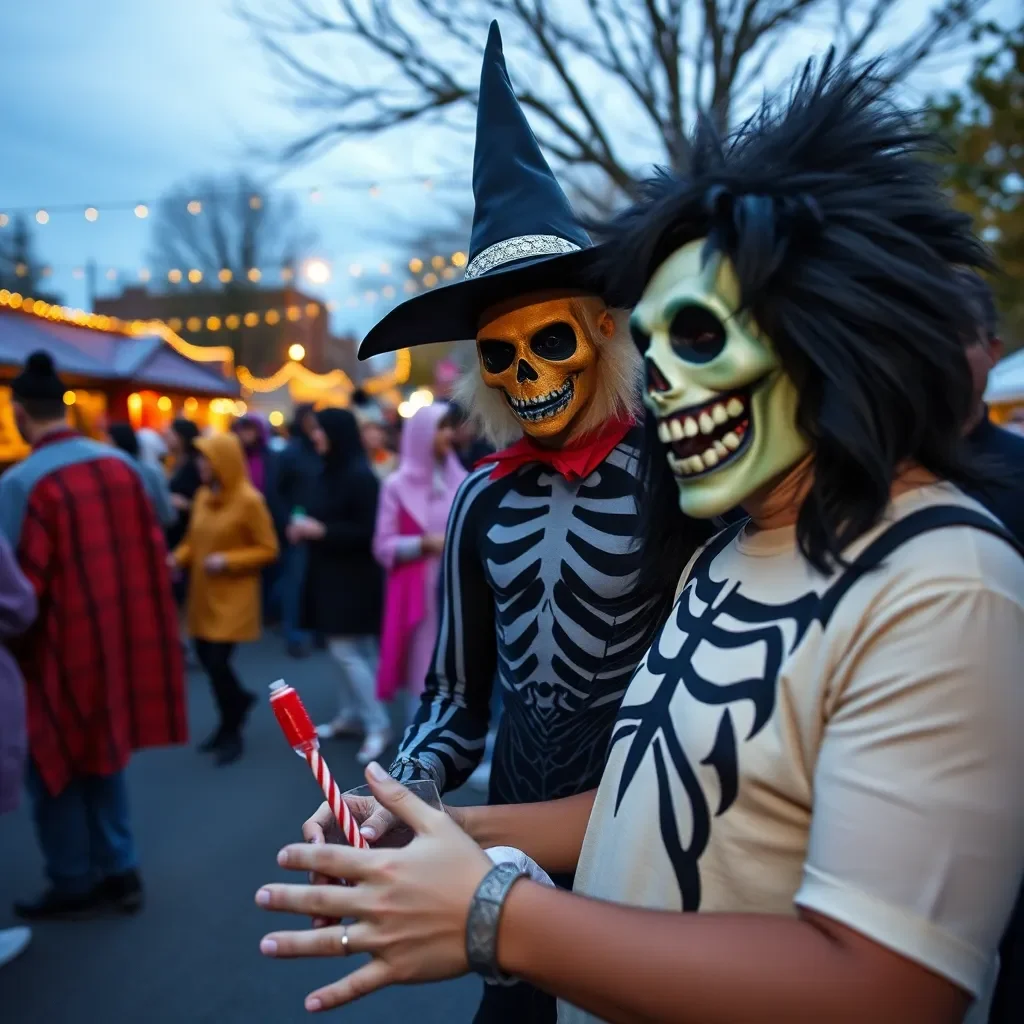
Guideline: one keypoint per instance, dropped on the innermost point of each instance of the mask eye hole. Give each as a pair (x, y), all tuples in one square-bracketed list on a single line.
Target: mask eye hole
[(641, 338), (554, 342), (497, 356), (697, 335)]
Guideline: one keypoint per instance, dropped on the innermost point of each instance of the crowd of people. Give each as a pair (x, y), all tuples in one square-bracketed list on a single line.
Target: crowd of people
[(124, 561)]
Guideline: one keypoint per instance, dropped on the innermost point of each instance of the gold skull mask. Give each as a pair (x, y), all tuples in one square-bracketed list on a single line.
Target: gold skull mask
[(542, 356)]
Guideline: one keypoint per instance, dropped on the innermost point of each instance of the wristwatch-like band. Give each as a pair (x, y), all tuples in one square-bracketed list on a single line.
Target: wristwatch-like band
[(484, 916)]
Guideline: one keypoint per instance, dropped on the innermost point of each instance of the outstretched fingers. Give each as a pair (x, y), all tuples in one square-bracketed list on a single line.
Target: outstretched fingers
[(369, 978)]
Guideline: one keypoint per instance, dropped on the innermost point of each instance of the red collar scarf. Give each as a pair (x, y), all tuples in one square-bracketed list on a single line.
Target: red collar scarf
[(574, 461)]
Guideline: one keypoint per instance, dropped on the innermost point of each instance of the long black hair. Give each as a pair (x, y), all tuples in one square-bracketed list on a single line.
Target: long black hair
[(830, 211)]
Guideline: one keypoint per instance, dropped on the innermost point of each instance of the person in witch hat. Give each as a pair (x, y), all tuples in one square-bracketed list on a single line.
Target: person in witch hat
[(539, 564)]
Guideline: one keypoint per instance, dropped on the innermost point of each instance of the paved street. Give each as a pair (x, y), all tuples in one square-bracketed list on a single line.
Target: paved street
[(208, 838)]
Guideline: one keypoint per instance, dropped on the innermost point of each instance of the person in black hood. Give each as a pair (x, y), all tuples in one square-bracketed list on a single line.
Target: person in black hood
[(123, 436), (185, 479), (296, 480), (344, 584)]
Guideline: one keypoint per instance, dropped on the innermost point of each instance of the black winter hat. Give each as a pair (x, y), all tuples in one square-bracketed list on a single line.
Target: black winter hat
[(39, 380)]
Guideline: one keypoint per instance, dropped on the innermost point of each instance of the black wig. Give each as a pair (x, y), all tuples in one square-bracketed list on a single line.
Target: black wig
[(829, 208)]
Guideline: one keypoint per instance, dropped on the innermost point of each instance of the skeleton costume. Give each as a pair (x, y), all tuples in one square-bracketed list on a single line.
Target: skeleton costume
[(830, 718), (539, 574)]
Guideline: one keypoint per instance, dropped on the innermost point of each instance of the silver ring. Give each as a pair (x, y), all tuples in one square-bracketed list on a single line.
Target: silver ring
[(344, 940)]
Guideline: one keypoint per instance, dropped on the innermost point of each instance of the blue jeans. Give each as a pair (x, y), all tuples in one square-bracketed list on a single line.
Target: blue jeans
[(293, 586), (84, 831)]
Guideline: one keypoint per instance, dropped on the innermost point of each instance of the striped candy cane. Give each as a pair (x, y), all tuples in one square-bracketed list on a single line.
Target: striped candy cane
[(298, 730), (335, 800)]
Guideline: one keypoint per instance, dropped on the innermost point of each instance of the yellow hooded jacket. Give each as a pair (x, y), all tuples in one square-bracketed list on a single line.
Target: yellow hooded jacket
[(231, 520)]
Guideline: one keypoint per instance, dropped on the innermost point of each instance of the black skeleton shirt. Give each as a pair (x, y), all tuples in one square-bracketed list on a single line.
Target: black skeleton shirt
[(538, 597)]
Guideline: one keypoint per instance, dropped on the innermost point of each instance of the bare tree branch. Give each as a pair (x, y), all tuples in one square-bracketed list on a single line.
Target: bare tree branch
[(596, 73)]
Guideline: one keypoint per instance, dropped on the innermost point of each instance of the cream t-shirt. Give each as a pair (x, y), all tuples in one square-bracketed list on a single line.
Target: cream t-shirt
[(864, 763)]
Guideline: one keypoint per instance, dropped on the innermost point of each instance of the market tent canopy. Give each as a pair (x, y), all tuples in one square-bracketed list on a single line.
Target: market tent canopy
[(146, 361), (1006, 381)]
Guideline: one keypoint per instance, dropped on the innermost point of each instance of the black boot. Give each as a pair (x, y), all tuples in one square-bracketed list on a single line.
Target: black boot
[(53, 905), (123, 891), (247, 701), (230, 750)]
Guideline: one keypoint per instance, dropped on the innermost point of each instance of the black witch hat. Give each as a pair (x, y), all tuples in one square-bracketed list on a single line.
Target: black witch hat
[(525, 235)]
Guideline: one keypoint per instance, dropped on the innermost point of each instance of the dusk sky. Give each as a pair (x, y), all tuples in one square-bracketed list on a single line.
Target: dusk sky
[(118, 100)]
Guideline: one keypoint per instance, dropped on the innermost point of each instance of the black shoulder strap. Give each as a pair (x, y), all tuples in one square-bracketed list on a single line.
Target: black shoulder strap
[(937, 517)]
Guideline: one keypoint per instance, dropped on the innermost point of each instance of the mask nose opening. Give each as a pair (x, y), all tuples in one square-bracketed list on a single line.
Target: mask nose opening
[(525, 372)]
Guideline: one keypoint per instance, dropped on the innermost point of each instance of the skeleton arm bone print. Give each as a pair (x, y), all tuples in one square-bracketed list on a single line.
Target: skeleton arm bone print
[(446, 740)]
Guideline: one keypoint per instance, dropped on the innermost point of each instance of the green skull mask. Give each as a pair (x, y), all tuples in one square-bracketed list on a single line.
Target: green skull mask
[(726, 411)]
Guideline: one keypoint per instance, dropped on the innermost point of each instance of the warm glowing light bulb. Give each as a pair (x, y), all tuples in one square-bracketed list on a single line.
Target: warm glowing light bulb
[(213, 323), (174, 323), (459, 259), (191, 404), (142, 211), (21, 269), (144, 274), (317, 271), (69, 398), (4, 220), (232, 321), (437, 262), (255, 202), (195, 207), (194, 323), (42, 217), (253, 273), (135, 401), (312, 310), (174, 276), (163, 403), (448, 273), (195, 276), (272, 316), (415, 265), (91, 213), (251, 319), (224, 275), (240, 408), (276, 418), (296, 352), (409, 286), (430, 280), (293, 313), (287, 274), (405, 410)]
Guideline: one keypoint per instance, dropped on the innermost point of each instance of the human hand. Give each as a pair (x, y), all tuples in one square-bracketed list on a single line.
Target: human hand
[(293, 533), (432, 544), (410, 904), (180, 502), (215, 563), (312, 529)]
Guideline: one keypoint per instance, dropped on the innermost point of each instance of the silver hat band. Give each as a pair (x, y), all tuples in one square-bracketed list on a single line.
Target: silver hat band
[(516, 249)]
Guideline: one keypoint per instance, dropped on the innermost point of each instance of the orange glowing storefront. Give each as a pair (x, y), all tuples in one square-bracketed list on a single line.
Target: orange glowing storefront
[(119, 372)]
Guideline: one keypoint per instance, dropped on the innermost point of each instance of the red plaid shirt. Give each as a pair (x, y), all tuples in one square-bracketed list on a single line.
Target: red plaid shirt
[(103, 663)]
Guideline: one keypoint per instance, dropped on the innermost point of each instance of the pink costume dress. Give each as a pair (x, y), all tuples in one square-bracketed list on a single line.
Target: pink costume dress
[(414, 501)]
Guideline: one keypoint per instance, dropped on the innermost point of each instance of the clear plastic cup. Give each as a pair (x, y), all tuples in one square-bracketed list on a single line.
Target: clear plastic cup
[(361, 802)]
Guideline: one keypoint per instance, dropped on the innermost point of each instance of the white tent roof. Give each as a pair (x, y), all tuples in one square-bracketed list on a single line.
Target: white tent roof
[(1006, 381)]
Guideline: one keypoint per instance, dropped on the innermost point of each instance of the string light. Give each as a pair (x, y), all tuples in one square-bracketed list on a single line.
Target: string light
[(296, 352), (193, 323), (163, 403), (195, 207), (287, 273), (271, 316), (174, 323), (4, 220), (21, 269), (42, 217), (459, 259), (232, 321), (141, 211), (195, 276), (276, 418), (448, 273), (144, 274), (430, 280), (224, 275), (312, 310), (251, 319), (91, 213), (191, 405), (317, 271), (69, 398), (253, 273), (255, 202), (415, 265), (174, 276), (213, 323), (437, 262)]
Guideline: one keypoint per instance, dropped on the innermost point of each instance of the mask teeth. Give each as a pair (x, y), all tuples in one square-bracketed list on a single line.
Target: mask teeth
[(701, 438), (542, 406)]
